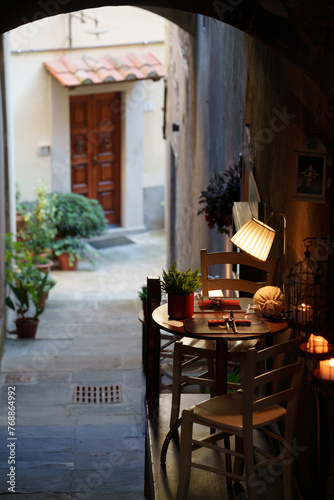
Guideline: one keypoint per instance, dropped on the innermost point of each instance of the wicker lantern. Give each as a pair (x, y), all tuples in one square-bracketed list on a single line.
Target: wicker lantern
[(307, 296)]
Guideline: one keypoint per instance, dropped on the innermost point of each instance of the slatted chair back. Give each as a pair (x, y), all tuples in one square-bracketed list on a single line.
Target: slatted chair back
[(241, 285), (284, 381)]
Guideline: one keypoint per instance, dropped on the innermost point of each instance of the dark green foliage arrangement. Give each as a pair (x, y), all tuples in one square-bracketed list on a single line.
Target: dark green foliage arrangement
[(222, 191), (180, 282), (77, 215)]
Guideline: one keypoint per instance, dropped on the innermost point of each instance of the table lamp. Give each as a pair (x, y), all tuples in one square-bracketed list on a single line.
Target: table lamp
[(256, 237)]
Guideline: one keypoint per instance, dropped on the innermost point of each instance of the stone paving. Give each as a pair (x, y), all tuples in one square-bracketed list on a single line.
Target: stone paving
[(89, 335)]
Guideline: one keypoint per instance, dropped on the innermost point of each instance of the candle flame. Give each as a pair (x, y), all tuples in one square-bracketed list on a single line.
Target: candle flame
[(331, 362)]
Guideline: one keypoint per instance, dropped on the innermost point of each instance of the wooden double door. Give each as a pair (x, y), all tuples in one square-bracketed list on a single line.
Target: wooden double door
[(95, 150)]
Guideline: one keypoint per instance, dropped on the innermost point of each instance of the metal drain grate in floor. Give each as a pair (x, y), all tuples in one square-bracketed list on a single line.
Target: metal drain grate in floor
[(105, 394)]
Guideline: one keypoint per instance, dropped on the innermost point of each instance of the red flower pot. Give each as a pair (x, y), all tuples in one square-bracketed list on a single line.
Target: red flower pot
[(180, 306), (26, 327), (64, 262), (45, 267)]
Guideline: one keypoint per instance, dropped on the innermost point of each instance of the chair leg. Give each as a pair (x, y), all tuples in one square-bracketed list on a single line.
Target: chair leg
[(238, 462), (249, 463), (211, 375), (185, 455), (288, 475), (176, 394)]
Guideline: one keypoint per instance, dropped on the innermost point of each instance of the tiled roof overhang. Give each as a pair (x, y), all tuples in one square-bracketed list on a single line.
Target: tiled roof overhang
[(73, 71)]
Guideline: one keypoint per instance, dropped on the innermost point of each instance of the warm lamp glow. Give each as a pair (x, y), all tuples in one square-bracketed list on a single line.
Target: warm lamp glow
[(255, 238), (303, 314), (317, 344), (326, 369)]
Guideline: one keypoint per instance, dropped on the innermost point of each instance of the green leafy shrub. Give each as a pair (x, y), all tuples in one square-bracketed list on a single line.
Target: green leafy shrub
[(77, 215), (180, 282), (40, 224)]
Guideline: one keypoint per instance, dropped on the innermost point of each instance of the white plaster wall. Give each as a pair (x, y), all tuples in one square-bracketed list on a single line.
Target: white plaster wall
[(31, 106), (126, 25), (60, 127)]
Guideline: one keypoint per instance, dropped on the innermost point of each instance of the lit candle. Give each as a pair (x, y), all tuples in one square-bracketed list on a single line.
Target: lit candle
[(303, 313), (327, 369), (316, 343)]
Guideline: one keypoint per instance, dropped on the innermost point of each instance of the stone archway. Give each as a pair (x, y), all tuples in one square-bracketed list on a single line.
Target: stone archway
[(300, 32)]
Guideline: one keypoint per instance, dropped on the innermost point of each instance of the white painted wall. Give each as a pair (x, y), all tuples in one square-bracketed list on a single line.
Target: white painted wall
[(41, 105)]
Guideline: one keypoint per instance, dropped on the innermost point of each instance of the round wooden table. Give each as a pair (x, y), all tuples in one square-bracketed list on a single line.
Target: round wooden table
[(265, 329)]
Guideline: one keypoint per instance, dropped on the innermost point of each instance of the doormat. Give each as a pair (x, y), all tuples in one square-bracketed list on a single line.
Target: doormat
[(111, 242), (105, 394)]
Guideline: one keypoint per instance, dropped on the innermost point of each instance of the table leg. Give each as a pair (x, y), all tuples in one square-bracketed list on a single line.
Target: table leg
[(221, 367), (221, 388)]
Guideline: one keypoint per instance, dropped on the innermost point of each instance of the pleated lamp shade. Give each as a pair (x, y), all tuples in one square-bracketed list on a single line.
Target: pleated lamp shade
[(255, 238)]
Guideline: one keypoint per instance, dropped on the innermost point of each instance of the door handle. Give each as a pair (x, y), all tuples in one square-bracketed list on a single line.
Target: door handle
[(95, 158)]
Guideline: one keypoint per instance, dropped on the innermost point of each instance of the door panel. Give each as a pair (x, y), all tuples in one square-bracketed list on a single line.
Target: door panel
[(95, 150)]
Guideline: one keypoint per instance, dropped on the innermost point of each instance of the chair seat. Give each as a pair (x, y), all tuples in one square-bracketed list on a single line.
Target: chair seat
[(199, 343), (234, 346), (226, 410)]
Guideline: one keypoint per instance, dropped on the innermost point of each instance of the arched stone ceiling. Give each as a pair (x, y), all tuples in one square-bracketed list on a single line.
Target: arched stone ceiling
[(300, 30)]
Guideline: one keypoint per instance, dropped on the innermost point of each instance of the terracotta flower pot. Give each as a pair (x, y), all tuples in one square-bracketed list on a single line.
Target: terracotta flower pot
[(45, 267), (42, 300), (64, 262), (180, 306), (26, 327)]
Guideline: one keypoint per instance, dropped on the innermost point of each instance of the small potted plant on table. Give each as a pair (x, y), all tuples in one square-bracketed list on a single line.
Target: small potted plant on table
[(180, 287)]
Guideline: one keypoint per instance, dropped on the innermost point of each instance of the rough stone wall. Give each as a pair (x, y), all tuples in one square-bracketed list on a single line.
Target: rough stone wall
[(210, 116), (284, 107)]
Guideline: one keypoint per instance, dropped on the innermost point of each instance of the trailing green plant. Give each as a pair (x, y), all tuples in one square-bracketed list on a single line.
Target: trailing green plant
[(180, 282), (40, 224), (221, 193), (143, 294), (78, 216), (24, 282), (76, 247)]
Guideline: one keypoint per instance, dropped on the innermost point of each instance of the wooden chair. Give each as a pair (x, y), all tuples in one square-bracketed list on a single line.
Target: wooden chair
[(190, 350), (239, 414)]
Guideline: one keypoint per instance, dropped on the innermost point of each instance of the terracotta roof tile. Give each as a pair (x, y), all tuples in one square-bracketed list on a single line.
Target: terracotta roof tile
[(73, 71)]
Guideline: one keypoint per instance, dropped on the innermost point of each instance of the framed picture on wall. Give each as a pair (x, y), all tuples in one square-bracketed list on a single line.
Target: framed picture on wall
[(310, 178)]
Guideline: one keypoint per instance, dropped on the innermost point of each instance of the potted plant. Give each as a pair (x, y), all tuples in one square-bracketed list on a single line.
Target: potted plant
[(222, 191), (70, 250), (26, 284), (50, 283), (40, 227), (180, 287), (77, 215), (142, 294)]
